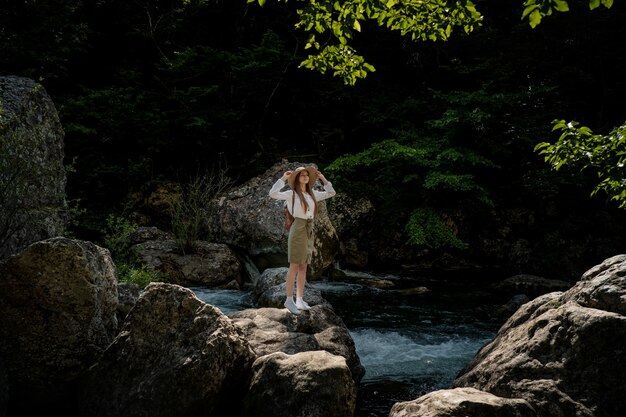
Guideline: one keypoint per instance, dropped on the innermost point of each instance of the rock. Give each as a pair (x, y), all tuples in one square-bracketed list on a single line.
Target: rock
[(269, 290), (562, 352), (413, 291), (602, 287), (144, 233), (128, 293), (352, 219), (32, 175), (58, 301), (530, 285), (307, 384), (248, 218), (376, 283), (512, 305), (174, 356), (212, 265), (462, 402), (271, 330)]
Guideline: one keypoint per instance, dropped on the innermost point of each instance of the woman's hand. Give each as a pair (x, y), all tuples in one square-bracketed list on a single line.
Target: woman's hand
[(286, 176), (322, 177)]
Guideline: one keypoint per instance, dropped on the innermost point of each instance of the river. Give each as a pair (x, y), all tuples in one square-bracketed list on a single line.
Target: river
[(409, 343)]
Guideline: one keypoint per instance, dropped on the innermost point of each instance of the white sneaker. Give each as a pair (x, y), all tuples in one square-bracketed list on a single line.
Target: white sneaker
[(302, 305), (291, 306)]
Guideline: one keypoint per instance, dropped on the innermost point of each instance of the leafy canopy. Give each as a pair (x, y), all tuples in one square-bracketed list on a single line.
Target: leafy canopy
[(535, 10), (331, 26)]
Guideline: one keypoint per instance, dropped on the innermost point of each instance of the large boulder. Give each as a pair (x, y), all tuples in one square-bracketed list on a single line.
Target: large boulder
[(174, 356), (211, 265), (352, 218), (271, 330), (307, 384), (32, 175), (249, 219), (562, 352), (58, 301)]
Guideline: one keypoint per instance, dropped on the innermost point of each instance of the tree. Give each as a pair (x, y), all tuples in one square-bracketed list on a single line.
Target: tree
[(605, 154), (579, 146), (337, 22), (331, 26)]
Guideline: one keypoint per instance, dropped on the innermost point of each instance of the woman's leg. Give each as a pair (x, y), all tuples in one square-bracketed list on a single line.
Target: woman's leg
[(301, 277), (289, 281)]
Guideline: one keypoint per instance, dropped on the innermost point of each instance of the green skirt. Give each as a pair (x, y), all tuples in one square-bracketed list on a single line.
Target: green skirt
[(300, 243)]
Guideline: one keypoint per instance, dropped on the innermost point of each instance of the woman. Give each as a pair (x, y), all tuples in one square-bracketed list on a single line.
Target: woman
[(301, 201)]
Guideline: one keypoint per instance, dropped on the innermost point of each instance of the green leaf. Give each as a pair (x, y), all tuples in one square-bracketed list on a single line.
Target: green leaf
[(369, 67), (356, 26), (561, 5), (593, 4), (529, 9), (535, 18)]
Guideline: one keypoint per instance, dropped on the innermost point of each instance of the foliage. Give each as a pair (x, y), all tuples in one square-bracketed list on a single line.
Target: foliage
[(116, 234), (536, 10), (193, 206), (578, 145), (414, 180), (149, 92), (604, 154), (116, 240), (55, 34), (331, 24), (141, 275), (427, 229)]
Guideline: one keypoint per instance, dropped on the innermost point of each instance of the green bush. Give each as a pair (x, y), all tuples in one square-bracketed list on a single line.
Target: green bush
[(141, 276)]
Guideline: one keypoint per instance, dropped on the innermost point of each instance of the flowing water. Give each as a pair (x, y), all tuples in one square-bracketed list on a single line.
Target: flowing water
[(409, 343)]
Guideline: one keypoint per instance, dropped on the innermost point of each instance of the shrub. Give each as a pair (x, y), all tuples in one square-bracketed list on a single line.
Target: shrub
[(190, 210)]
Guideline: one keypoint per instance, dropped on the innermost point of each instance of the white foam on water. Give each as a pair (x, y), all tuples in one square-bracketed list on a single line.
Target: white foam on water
[(397, 355)]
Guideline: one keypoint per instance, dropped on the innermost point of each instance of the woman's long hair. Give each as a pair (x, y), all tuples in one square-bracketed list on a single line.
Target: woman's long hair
[(309, 190)]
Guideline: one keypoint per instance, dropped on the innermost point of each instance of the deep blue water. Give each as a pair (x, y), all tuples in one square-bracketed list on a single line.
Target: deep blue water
[(409, 344)]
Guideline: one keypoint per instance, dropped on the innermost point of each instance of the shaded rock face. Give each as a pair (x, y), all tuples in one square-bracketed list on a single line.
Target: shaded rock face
[(248, 218), (562, 352), (462, 402), (32, 176), (212, 265), (353, 220), (174, 356), (58, 301), (271, 330), (307, 384)]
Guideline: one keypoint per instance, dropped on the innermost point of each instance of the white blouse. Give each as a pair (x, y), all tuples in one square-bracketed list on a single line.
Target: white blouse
[(275, 193)]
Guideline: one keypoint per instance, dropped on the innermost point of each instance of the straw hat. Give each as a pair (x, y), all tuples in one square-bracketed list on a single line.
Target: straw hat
[(312, 176)]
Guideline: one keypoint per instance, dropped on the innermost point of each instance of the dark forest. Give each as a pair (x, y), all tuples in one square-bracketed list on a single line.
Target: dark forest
[(440, 138)]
